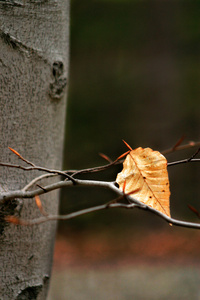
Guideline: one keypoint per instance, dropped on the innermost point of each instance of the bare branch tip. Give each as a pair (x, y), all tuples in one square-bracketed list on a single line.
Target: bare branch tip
[(12, 219), (122, 155), (127, 145), (14, 151), (105, 157), (39, 205), (178, 143)]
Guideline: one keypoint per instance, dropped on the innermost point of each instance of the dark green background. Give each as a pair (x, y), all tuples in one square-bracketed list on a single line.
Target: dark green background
[(134, 75)]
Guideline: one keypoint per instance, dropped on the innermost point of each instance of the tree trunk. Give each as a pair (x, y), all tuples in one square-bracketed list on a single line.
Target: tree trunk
[(34, 40)]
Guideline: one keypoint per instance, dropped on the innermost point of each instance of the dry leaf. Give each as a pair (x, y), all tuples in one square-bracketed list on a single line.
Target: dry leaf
[(145, 170)]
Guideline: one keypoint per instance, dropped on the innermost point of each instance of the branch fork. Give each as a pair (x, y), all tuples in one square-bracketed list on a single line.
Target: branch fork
[(122, 201)]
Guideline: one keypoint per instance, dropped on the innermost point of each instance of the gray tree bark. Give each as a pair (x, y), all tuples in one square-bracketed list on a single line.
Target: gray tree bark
[(34, 40)]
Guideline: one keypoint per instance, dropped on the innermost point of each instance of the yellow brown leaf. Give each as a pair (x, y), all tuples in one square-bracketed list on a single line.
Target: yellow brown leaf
[(145, 171)]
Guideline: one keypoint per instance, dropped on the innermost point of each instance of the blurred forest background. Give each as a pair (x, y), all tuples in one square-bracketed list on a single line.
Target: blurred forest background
[(134, 75)]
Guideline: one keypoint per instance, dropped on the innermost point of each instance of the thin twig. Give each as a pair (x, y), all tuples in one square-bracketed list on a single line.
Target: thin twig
[(68, 216), (39, 169), (194, 155), (183, 161), (181, 147), (98, 208), (187, 160), (96, 169), (102, 168), (21, 157), (32, 182)]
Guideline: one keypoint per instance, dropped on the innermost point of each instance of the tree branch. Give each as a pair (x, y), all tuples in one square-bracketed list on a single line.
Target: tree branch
[(183, 161), (178, 147), (39, 169), (102, 207), (70, 181)]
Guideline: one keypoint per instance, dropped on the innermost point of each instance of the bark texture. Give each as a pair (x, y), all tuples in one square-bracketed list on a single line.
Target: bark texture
[(34, 44)]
